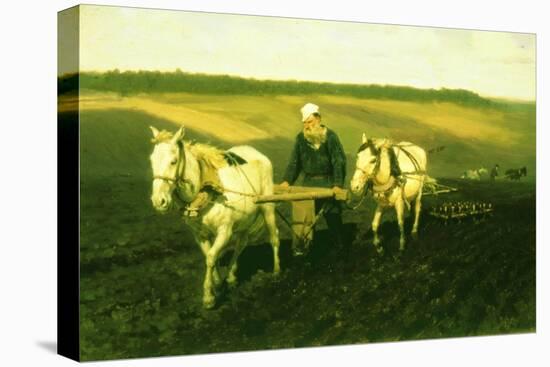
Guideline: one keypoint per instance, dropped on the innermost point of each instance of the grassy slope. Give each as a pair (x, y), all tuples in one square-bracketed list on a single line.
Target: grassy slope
[(115, 129)]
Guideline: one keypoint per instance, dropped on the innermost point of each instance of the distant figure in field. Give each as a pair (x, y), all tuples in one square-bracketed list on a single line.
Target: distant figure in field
[(516, 173), (494, 172), (474, 174)]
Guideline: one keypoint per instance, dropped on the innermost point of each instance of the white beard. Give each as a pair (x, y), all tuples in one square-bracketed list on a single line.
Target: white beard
[(316, 136)]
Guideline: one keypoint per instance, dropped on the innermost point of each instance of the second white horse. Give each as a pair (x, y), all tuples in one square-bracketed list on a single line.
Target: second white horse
[(395, 173)]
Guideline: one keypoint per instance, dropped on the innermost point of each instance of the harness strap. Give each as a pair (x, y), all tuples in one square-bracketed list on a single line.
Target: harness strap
[(411, 157), (239, 192), (205, 172), (386, 189)]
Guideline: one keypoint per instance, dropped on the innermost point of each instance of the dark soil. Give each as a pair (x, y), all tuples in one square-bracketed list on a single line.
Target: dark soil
[(141, 279)]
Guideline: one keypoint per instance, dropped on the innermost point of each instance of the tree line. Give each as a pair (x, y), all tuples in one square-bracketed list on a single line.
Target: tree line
[(134, 82)]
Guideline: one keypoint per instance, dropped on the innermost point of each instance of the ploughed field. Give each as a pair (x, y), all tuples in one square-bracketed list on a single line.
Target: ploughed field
[(141, 278)]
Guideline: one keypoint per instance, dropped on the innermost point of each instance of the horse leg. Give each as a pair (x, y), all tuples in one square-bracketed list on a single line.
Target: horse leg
[(224, 233), (268, 211), (417, 208), (375, 224), (205, 247), (400, 211), (239, 246)]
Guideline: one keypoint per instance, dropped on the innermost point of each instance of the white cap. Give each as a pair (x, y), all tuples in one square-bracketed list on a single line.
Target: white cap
[(308, 110)]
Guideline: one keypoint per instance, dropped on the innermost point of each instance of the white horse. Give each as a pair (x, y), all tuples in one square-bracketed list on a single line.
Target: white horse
[(233, 219), (374, 167), (474, 174)]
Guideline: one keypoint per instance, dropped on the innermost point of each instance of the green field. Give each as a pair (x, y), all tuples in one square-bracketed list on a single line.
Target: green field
[(115, 131), (141, 273)]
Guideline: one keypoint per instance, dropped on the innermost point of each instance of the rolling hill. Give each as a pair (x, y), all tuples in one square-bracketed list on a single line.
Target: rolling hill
[(115, 134)]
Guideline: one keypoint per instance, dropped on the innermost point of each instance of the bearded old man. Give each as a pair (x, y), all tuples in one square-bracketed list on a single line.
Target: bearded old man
[(319, 155)]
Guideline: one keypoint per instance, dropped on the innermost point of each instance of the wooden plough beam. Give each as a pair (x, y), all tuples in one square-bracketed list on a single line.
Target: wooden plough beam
[(304, 216), (299, 193)]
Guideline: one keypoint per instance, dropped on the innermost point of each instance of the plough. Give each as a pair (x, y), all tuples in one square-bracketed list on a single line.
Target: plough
[(302, 201)]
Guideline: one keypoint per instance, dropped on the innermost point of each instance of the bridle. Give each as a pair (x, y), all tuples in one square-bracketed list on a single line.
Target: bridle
[(369, 181), (179, 177), (370, 176)]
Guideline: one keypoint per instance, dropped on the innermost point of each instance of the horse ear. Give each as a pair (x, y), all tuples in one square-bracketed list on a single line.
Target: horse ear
[(179, 135), (154, 130), (364, 138), (381, 143)]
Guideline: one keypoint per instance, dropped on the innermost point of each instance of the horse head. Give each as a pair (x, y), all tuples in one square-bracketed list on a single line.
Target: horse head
[(366, 165), (168, 164)]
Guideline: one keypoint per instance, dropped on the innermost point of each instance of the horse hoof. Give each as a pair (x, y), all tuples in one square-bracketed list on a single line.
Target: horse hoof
[(298, 253), (402, 244), (380, 250), (216, 279), (209, 304), (414, 235), (232, 283)]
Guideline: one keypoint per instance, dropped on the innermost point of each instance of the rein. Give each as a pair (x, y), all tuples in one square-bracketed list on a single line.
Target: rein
[(179, 177), (377, 152), (413, 160), (363, 196)]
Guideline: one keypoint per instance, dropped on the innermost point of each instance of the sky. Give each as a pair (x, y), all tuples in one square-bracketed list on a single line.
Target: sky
[(493, 64)]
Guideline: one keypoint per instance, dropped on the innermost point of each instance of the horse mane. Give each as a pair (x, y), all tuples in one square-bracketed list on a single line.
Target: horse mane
[(208, 154), (211, 156)]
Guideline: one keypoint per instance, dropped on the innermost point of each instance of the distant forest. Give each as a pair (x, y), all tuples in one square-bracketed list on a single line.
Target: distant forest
[(134, 82)]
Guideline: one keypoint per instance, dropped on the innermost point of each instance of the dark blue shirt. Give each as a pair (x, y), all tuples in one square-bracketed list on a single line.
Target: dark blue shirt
[(323, 167)]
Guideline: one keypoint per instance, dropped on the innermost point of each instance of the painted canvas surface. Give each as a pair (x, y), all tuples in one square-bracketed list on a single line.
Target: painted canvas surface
[(466, 98)]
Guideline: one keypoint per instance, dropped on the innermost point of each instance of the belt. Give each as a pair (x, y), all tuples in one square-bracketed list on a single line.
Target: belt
[(317, 176)]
